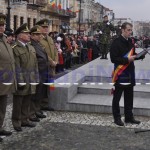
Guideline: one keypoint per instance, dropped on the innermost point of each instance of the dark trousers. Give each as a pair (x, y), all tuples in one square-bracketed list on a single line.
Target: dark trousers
[(21, 107), (128, 101), (104, 50), (3, 104)]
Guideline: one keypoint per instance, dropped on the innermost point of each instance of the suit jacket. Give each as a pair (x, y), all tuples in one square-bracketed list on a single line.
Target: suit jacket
[(119, 48), (7, 68)]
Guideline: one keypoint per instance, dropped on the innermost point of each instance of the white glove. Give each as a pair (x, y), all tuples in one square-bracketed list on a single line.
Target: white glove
[(100, 32), (108, 23)]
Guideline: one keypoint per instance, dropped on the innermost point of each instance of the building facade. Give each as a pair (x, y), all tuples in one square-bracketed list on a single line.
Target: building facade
[(31, 11), (86, 18)]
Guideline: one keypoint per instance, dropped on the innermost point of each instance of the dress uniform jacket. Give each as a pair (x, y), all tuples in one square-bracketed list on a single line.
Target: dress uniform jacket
[(51, 50), (7, 68), (119, 48), (26, 68)]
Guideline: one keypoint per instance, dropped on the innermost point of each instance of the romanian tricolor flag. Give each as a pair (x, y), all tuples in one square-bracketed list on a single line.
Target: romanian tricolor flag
[(51, 85), (118, 69), (52, 3), (59, 5)]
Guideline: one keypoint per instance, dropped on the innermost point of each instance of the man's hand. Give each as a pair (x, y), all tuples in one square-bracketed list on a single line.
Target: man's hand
[(108, 23), (100, 32), (131, 58)]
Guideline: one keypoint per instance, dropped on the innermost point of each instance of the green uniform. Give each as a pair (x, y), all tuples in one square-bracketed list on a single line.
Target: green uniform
[(105, 29), (26, 72), (50, 48), (7, 75)]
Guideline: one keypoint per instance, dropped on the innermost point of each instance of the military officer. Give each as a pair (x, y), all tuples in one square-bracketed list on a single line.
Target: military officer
[(26, 73), (43, 66), (7, 74), (105, 29), (10, 36), (52, 53)]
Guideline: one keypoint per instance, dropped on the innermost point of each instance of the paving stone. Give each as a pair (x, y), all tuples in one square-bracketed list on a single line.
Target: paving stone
[(76, 131)]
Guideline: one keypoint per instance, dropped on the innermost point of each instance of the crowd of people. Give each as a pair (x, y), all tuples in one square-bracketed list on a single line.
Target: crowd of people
[(30, 56)]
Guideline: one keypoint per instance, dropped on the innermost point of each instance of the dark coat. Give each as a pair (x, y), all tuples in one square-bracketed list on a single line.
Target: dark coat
[(43, 67), (95, 49), (119, 48), (43, 63)]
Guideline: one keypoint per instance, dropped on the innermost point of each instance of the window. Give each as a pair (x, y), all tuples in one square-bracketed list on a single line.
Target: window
[(34, 21), (29, 23), (15, 22), (21, 20)]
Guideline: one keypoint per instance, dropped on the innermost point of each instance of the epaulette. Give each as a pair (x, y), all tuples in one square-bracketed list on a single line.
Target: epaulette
[(5, 35), (14, 46)]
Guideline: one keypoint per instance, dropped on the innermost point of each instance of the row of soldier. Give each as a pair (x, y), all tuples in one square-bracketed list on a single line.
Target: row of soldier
[(32, 59)]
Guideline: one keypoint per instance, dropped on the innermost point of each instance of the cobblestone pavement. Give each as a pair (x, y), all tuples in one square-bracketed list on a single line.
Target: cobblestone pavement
[(76, 131)]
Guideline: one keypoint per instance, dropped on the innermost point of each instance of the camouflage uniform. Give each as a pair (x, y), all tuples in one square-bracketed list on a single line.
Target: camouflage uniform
[(104, 37)]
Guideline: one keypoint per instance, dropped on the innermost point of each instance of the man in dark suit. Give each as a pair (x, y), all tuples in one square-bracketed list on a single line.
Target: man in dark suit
[(43, 66), (52, 53), (7, 76), (122, 54)]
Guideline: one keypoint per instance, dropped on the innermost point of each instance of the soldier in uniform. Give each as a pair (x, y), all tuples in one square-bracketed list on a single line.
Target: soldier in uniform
[(26, 73), (43, 66), (105, 28), (51, 50), (7, 74), (10, 36)]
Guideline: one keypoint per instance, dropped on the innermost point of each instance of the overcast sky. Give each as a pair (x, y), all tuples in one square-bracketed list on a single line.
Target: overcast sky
[(134, 9)]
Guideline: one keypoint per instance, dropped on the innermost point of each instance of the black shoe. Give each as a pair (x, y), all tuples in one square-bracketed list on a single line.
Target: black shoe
[(28, 124), (118, 122), (1, 139), (5, 133), (102, 58), (18, 129), (39, 115), (132, 120), (47, 109), (40, 111), (34, 119)]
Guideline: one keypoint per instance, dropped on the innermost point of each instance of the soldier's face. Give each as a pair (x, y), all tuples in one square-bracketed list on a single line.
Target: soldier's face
[(105, 19), (2, 29), (127, 31), (36, 37), (24, 37), (44, 29)]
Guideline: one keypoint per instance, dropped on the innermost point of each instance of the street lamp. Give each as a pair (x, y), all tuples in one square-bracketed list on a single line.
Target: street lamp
[(8, 15), (80, 19)]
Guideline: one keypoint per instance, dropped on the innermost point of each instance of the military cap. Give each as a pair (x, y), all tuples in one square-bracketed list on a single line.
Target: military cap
[(22, 29), (9, 32), (105, 16), (2, 19), (35, 29), (43, 23)]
